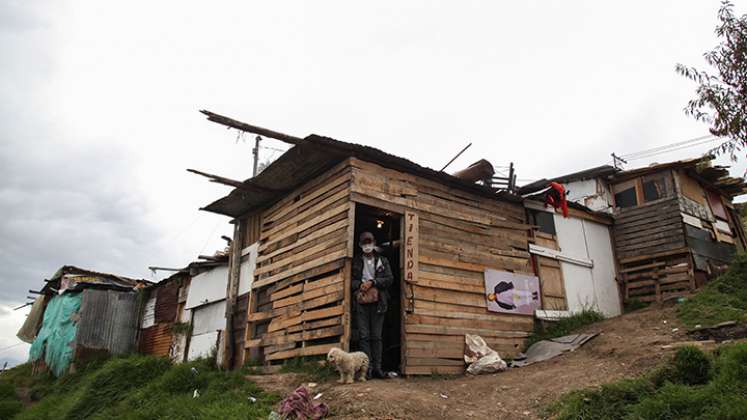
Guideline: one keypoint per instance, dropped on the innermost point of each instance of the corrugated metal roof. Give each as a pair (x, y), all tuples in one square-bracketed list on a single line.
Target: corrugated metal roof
[(311, 158)]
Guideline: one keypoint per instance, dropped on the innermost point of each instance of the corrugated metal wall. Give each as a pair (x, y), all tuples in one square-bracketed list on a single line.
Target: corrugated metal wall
[(108, 321), (156, 340)]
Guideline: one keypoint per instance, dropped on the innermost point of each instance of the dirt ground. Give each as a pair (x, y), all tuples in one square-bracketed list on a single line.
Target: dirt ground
[(625, 347)]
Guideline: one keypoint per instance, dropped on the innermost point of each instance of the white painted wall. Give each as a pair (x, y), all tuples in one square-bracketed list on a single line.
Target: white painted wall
[(592, 193), (588, 287), (246, 270), (209, 286), (207, 320)]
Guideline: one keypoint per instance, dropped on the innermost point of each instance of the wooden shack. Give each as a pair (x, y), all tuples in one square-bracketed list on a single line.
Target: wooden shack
[(674, 224), (675, 227), (440, 233)]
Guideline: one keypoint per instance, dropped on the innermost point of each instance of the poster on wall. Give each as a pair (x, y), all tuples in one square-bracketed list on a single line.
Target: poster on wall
[(511, 292)]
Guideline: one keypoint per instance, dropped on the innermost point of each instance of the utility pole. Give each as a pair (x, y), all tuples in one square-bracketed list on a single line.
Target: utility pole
[(255, 152), (617, 161)]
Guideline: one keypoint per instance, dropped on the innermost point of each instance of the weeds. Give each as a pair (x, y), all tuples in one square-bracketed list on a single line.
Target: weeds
[(723, 299), (146, 387), (691, 386), (314, 369), (566, 326)]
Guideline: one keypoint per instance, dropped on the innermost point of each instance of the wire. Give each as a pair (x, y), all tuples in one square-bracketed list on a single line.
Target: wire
[(10, 347), (643, 156), (673, 146)]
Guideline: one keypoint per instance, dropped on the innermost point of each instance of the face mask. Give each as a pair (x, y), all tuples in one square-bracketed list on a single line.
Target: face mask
[(367, 248)]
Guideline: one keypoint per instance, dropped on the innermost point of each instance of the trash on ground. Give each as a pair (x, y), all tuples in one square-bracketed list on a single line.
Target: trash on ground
[(548, 349), (196, 394), (300, 405), (481, 358), (252, 399), (317, 396), (444, 396), (311, 384)]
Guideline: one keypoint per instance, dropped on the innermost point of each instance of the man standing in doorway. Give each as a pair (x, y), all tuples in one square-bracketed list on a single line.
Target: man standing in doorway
[(371, 270)]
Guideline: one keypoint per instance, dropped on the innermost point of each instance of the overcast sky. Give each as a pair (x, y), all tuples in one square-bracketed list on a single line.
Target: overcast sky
[(98, 118)]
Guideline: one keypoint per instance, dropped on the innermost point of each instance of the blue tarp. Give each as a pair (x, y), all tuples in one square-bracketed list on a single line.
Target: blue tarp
[(55, 339)]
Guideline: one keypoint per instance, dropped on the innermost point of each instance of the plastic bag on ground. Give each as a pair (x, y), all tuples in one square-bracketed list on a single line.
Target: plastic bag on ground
[(482, 359)]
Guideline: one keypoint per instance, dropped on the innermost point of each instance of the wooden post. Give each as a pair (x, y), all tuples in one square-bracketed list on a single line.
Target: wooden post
[(232, 290), (410, 276), (347, 303)]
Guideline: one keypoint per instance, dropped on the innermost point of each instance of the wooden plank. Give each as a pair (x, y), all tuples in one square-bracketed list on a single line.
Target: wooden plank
[(342, 208), (411, 247), (497, 323), (299, 269), (291, 223), (443, 330), (433, 361), (309, 191), (296, 256), (447, 352), (304, 351), (315, 235), (643, 267), (347, 305), (288, 291), (431, 370), (651, 253), (377, 202)]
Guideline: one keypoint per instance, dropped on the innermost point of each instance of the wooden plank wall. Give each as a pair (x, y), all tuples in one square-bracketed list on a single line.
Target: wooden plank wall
[(550, 275), (650, 243), (298, 295), (460, 234)]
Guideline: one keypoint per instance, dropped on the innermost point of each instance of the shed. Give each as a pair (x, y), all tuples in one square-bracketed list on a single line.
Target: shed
[(574, 258), (441, 234), (88, 314)]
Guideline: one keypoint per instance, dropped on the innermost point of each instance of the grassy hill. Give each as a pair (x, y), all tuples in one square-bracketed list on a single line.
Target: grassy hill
[(133, 387)]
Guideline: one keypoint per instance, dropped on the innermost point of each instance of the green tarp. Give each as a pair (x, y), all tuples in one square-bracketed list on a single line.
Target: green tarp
[(56, 336)]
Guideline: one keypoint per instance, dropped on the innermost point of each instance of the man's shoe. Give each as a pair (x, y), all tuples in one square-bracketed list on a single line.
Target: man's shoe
[(378, 374)]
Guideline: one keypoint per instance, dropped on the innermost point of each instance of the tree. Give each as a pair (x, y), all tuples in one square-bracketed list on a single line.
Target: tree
[(721, 100)]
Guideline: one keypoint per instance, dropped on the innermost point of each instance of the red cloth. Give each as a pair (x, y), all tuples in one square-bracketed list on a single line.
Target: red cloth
[(556, 198), (299, 405)]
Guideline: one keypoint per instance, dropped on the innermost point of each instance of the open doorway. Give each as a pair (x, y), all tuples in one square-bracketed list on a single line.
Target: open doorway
[(385, 226)]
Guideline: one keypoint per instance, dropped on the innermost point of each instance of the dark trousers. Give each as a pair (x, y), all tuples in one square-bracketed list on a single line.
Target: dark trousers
[(370, 326)]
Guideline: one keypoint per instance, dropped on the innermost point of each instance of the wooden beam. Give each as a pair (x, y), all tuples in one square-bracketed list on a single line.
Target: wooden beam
[(246, 186), (230, 122)]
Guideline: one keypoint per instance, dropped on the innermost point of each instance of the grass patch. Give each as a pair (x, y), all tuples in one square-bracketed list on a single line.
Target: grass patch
[(691, 386), (315, 369), (146, 387), (723, 299), (565, 326)]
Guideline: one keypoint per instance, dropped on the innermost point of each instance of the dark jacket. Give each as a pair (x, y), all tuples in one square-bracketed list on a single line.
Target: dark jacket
[(382, 281)]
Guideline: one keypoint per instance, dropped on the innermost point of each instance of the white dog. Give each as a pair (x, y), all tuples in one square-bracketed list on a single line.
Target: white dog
[(348, 364)]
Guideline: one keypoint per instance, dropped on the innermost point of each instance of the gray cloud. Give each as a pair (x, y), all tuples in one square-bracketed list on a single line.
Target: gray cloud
[(62, 200)]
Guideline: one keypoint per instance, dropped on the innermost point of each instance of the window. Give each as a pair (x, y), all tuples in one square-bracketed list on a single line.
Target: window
[(544, 220), (626, 198), (656, 186)]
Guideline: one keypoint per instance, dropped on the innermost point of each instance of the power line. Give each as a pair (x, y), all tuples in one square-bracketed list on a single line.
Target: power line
[(643, 156), (666, 147), (10, 347)]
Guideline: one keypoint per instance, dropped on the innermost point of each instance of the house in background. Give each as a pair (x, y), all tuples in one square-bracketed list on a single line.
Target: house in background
[(675, 225), (82, 315), (184, 317)]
